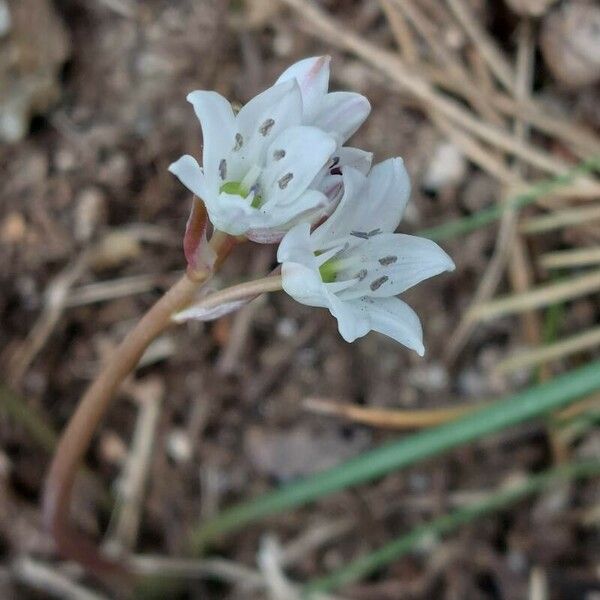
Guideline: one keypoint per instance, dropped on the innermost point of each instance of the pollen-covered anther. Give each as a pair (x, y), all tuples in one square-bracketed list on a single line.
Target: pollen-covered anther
[(223, 169), (377, 283), (361, 274), (239, 142), (278, 154), (388, 260), (266, 127), (283, 182)]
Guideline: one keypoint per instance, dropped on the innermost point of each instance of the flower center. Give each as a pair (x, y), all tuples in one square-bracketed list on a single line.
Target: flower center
[(329, 270), (244, 187)]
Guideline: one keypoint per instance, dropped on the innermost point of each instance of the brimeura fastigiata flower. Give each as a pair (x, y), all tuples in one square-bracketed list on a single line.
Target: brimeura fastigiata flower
[(277, 161), (355, 265)]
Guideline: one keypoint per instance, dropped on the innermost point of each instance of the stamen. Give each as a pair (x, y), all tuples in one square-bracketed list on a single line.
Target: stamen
[(223, 169), (388, 260), (377, 283), (361, 274), (278, 154), (250, 178), (266, 127), (283, 182), (239, 142)]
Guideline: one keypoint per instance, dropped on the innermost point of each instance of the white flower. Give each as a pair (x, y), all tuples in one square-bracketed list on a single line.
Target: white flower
[(277, 161), (354, 265)]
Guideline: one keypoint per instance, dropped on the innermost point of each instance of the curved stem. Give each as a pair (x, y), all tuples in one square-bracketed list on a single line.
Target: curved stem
[(77, 436)]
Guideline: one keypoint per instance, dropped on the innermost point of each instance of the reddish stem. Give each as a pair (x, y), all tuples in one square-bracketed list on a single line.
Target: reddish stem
[(78, 434)]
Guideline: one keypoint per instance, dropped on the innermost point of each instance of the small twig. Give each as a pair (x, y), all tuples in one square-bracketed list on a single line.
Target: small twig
[(560, 218), (320, 24), (538, 297), (122, 532), (401, 31), (580, 257), (486, 44), (48, 580), (118, 288), (565, 347), (388, 418)]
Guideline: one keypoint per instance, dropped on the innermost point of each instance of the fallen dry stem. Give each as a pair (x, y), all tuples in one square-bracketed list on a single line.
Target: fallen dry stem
[(576, 343), (322, 25), (536, 298), (388, 418), (580, 257)]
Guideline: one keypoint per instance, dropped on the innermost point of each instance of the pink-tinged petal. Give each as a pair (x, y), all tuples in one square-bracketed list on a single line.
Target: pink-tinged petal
[(218, 131), (200, 313), (188, 171), (341, 114), (199, 255), (312, 75)]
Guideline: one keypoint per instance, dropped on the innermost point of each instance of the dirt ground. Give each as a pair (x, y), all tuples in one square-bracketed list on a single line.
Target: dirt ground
[(92, 112)]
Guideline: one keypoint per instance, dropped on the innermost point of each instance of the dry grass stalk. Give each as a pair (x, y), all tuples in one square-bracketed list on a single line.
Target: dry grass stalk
[(583, 257), (536, 356), (538, 297)]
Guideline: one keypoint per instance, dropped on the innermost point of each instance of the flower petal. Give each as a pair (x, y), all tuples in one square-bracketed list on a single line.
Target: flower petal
[(391, 263), (388, 190), (356, 158), (312, 75), (231, 213), (341, 222), (353, 321), (189, 172), (303, 284), (218, 132), (396, 319), (341, 114), (264, 117), (293, 160), (296, 246)]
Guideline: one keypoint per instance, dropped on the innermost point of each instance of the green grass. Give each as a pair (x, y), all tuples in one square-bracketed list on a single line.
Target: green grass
[(507, 412), (430, 532)]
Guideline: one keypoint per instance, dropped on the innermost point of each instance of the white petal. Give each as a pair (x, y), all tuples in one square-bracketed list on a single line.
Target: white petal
[(296, 246), (356, 158), (231, 213), (312, 75), (264, 117), (341, 114), (302, 209), (188, 171), (388, 190), (341, 222), (303, 284), (396, 319), (353, 321), (393, 263), (293, 160), (218, 132)]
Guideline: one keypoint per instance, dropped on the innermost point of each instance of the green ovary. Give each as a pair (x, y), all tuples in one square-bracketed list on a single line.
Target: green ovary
[(236, 188), (328, 270)]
